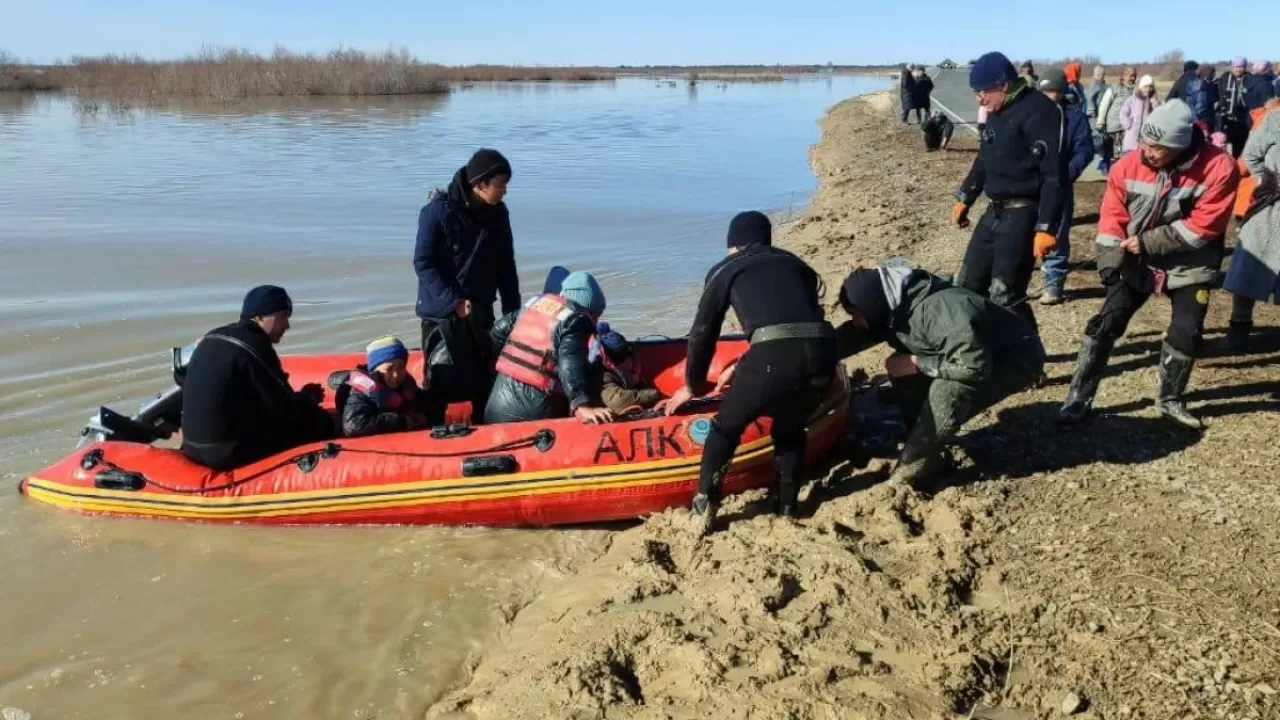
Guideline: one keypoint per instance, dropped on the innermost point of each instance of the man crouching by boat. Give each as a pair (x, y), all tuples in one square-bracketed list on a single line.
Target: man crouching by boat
[(237, 404), (783, 375), (383, 397), (543, 369), (957, 353)]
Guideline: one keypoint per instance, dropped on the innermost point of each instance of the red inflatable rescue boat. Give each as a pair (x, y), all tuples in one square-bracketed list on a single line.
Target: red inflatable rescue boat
[(536, 473)]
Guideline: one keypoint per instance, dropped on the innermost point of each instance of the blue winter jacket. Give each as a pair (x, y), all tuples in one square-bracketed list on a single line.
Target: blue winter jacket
[(463, 253), (1078, 143)]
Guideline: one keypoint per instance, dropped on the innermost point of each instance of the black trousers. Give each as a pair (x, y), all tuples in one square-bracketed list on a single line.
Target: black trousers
[(1237, 132), (469, 344), (783, 379), (1186, 328), (1000, 258), (1242, 310), (920, 113)]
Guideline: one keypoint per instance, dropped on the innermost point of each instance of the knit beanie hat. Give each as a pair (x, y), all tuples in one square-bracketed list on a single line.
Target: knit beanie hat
[(1146, 81), (486, 164), (1170, 125), (1240, 62), (582, 289), (750, 228), (265, 300), (864, 290), (1054, 81), (990, 71), (614, 344), (1072, 72), (384, 350)]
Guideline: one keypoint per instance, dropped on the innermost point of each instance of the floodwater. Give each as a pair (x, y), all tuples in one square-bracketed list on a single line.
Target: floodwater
[(124, 234)]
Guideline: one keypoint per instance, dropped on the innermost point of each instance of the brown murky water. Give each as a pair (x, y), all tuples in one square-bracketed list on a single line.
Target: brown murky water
[(124, 235)]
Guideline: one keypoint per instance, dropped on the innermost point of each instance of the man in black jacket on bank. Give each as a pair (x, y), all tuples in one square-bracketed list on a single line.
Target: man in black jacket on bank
[(1020, 169), (783, 375), (237, 404)]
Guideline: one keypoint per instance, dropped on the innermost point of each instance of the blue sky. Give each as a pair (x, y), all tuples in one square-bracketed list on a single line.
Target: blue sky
[(560, 32)]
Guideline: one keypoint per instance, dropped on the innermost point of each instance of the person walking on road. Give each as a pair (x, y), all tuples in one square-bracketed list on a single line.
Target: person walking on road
[(921, 90), (1151, 244), (1135, 112), (1019, 168), (906, 91), (1077, 153)]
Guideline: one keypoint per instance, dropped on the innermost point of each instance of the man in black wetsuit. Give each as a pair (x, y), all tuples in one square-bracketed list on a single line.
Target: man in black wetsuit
[(1019, 168), (783, 375)]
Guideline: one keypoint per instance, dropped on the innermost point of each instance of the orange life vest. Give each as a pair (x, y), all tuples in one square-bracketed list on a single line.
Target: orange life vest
[(530, 354), (388, 399)]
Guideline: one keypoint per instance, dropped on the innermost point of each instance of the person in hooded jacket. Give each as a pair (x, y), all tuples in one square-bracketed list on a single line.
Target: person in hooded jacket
[(617, 373), (1150, 245), (1075, 95), (956, 354), (543, 370), (1020, 169), (785, 372), (382, 397), (1077, 152), (237, 404), (464, 254)]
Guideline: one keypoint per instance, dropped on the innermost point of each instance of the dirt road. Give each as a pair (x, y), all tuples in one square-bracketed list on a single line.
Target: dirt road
[(1121, 570)]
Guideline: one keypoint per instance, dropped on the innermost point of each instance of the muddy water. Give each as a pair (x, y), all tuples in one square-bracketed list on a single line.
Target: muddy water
[(122, 235)]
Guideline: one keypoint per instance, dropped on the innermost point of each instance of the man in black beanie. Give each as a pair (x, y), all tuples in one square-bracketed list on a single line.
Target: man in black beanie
[(237, 404), (956, 353), (783, 375), (464, 256)]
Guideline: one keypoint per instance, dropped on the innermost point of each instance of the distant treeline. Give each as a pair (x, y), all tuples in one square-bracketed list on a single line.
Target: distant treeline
[(1166, 66), (231, 74)]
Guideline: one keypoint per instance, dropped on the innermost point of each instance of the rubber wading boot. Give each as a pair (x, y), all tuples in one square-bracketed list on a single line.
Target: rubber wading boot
[(788, 469), (921, 459), (1237, 338), (1175, 372), (705, 505), (1090, 364)]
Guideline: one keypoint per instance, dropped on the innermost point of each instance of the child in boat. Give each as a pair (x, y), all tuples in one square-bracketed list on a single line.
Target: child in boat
[(615, 371), (383, 397)]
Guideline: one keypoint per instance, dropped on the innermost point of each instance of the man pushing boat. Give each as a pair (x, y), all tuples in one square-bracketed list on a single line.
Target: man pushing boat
[(783, 375)]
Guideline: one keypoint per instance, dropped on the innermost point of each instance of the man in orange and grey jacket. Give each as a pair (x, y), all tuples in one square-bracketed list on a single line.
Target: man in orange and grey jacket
[(1161, 227)]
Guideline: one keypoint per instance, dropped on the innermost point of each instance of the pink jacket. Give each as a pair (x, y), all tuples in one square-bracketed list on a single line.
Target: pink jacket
[(1132, 115)]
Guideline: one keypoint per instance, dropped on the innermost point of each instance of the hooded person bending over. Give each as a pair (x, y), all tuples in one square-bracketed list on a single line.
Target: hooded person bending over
[(383, 397), (957, 353), (783, 375), (616, 372), (237, 404), (543, 369)]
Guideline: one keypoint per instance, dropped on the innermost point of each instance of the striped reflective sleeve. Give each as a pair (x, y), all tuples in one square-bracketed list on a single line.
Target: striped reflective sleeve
[(1189, 236)]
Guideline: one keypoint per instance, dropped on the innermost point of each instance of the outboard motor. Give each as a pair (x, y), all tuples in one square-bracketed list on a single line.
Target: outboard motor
[(157, 419)]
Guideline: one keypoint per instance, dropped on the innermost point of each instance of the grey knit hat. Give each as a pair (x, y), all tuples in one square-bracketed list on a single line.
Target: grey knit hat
[(1170, 125)]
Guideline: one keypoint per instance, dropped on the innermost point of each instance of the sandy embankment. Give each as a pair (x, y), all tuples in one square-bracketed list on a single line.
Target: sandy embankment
[(1130, 567)]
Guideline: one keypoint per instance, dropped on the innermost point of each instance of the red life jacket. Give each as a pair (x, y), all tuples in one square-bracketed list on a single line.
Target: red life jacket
[(388, 399), (530, 354)]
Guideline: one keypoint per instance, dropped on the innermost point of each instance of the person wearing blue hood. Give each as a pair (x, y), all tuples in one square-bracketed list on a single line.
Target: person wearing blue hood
[(956, 354), (1077, 153), (543, 369), (1019, 168)]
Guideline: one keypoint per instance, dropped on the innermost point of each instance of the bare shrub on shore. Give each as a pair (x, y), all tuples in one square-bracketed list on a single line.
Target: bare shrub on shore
[(17, 77), (1165, 66)]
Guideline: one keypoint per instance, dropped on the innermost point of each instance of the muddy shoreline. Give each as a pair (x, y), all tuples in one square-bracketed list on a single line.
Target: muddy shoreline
[(1122, 571)]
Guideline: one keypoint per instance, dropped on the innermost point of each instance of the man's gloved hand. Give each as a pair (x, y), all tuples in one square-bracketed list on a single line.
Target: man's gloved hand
[(960, 215), (1043, 243)]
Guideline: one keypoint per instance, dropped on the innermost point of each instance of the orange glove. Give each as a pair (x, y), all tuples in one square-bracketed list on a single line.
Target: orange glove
[(1043, 243), (960, 215)]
